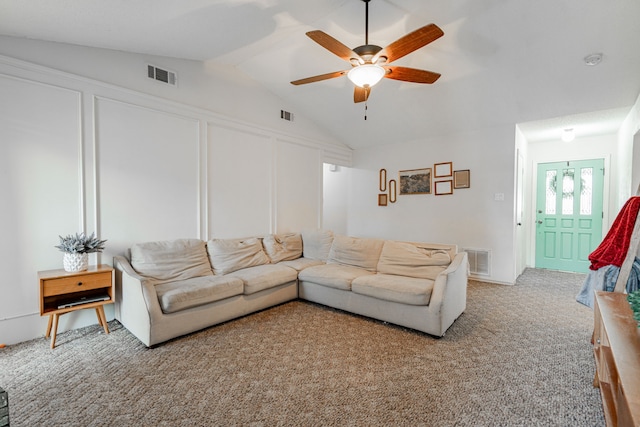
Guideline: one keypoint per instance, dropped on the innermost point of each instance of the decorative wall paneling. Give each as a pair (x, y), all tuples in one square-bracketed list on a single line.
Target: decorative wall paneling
[(81, 155)]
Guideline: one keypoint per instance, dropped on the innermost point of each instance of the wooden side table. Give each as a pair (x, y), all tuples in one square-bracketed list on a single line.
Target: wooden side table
[(63, 292), (616, 346)]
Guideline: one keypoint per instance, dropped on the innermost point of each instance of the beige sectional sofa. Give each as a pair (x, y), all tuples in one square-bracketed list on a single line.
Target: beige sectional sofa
[(171, 288)]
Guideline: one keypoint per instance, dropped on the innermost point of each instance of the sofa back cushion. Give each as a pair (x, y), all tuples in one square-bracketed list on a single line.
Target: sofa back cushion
[(228, 255), (355, 252), (412, 260), (283, 247), (168, 261), (316, 244)]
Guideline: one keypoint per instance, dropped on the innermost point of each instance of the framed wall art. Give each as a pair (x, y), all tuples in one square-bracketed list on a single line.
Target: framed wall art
[(462, 179), (415, 181), (444, 187), (441, 170), (392, 191), (383, 180), (382, 199)]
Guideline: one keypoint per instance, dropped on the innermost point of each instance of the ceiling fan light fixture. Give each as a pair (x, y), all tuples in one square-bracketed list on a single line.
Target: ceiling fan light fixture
[(366, 75)]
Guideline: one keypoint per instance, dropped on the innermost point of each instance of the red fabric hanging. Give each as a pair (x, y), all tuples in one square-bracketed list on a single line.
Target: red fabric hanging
[(614, 247)]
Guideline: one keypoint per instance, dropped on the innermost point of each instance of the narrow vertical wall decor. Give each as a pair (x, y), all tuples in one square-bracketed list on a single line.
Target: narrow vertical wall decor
[(392, 191), (383, 180)]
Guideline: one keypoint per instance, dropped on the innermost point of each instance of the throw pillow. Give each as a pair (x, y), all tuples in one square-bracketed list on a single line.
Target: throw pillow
[(168, 261), (283, 247), (228, 255)]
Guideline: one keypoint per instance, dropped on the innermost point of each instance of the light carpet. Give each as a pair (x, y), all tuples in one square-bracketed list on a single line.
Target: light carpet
[(519, 356)]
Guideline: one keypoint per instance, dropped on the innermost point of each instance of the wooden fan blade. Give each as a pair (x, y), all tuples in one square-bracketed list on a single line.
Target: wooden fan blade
[(361, 94), (319, 78), (412, 41), (410, 74), (333, 45)]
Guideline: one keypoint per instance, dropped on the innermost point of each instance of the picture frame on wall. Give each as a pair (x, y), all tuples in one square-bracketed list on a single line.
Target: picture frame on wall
[(393, 191), (415, 181), (382, 199), (442, 170), (462, 179), (383, 180), (443, 187)]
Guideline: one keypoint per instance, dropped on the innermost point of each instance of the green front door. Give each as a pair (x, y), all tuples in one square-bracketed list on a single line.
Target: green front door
[(568, 214)]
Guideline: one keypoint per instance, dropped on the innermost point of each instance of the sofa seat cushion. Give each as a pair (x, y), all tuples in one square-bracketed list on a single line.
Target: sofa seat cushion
[(355, 252), (172, 260), (183, 294), (332, 275), (229, 255), (256, 279), (412, 259), (300, 264), (283, 247), (405, 290)]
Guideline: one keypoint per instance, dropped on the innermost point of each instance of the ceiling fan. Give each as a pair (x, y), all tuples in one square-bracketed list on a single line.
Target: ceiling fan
[(370, 63)]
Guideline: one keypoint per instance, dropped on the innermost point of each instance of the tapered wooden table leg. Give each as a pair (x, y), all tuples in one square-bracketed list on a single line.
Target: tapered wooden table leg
[(102, 319), (49, 326), (54, 330)]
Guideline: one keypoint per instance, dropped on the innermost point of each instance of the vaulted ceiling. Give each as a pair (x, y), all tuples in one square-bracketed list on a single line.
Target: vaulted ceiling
[(502, 61)]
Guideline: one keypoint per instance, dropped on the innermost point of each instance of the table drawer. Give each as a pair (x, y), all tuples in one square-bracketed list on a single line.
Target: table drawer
[(65, 285)]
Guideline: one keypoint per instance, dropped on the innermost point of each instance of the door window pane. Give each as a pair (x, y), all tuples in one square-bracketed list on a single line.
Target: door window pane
[(586, 193), (567, 191), (550, 200)]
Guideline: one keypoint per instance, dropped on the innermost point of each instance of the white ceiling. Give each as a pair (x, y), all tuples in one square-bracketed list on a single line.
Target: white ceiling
[(502, 61)]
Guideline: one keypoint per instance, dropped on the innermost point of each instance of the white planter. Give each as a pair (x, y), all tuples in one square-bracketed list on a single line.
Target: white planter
[(75, 262)]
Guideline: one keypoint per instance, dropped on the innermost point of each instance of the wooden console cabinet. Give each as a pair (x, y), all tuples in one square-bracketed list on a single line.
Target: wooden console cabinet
[(63, 292), (616, 346)]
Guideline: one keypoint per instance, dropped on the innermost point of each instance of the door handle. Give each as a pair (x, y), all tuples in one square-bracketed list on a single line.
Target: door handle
[(539, 221)]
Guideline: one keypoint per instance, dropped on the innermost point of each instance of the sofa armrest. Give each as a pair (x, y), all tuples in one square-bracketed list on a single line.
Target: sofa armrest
[(121, 263), (450, 288), (137, 305)]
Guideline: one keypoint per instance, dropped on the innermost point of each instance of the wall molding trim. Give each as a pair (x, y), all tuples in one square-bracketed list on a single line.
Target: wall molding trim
[(337, 154)]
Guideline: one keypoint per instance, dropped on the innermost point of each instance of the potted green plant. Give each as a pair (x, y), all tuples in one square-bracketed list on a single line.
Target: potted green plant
[(77, 248)]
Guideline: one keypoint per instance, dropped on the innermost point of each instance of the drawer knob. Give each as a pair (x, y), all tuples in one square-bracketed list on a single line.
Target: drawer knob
[(79, 283)]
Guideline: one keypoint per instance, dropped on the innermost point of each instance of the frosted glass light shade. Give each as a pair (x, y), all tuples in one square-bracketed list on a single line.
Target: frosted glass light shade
[(568, 135), (366, 75)]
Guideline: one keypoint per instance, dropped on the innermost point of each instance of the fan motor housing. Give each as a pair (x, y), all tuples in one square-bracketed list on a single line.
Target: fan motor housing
[(367, 51)]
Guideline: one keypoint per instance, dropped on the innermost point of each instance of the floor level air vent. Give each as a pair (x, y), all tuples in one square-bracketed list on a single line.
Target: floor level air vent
[(285, 115), (479, 261), (163, 76)]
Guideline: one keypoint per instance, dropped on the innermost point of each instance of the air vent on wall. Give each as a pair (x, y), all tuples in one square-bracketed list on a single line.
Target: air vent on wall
[(479, 261), (163, 76), (285, 115)]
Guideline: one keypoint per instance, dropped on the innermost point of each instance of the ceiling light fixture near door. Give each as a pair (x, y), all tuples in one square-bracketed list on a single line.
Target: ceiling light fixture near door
[(568, 135), (593, 59)]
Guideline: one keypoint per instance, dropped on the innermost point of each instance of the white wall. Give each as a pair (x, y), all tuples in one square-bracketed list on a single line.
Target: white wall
[(470, 218), (336, 198), (226, 91), (81, 155), (629, 169)]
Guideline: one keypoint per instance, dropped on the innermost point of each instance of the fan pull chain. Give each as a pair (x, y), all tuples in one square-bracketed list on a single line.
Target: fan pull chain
[(365, 110)]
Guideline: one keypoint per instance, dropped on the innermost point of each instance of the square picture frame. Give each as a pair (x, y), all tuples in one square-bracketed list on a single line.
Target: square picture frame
[(462, 179), (442, 170), (443, 187), (415, 181)]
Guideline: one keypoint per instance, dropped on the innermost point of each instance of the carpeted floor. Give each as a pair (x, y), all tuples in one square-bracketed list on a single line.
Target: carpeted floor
[(519, 356)]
